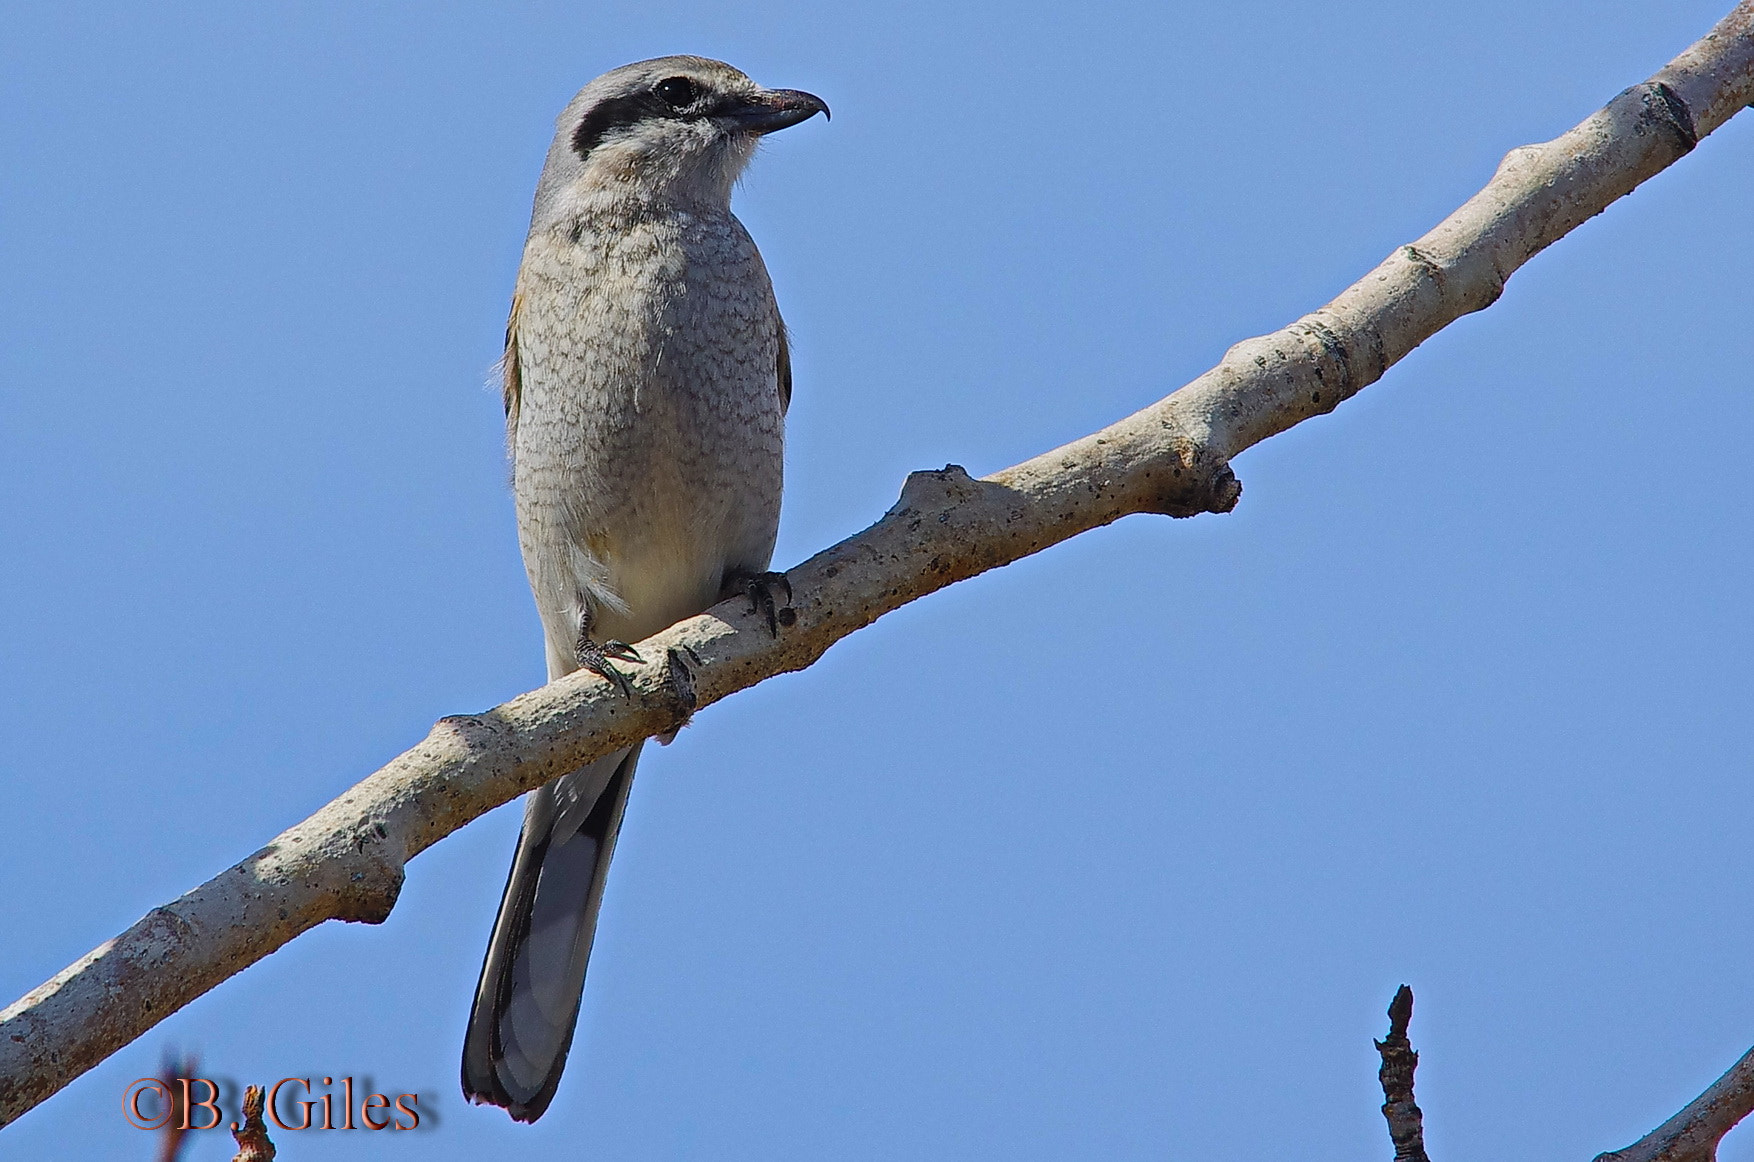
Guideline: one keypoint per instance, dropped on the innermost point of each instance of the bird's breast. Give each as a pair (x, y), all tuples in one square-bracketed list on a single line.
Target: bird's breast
[(649, 435)]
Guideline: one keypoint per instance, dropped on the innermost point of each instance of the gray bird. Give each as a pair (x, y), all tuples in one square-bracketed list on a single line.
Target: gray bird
[(646, 385)]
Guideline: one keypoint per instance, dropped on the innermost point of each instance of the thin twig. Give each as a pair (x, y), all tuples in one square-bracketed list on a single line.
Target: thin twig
[(1406, 1123), (175, 1134)]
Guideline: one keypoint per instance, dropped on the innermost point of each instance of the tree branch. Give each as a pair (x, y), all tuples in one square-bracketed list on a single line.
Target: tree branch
[(1690, 1136), (1693, 1134), (1399, 1060), (346, 861)]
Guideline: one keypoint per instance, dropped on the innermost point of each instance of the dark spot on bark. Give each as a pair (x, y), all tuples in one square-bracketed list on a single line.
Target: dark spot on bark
[(1667, 104), (1335, 349), (1425, 263)]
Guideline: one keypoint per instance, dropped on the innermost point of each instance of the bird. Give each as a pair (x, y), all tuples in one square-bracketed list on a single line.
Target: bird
[(646, 378)]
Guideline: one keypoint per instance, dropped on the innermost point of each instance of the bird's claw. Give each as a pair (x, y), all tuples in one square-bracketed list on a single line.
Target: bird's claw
[(596, 658), (621, 651), (758, 588)]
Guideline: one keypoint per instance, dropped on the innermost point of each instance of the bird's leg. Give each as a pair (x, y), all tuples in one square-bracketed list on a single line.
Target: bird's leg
[(595, 658), (758, 587)]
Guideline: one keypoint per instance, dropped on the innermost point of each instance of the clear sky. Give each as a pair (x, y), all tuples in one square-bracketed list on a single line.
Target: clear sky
[(1118, 852)]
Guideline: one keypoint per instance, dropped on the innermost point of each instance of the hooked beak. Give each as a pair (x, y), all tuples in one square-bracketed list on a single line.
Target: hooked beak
[(773, 109)]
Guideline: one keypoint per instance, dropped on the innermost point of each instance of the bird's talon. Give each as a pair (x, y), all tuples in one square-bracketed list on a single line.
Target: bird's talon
[(621, 651), (611, 675), (595, 658), (758, 588)]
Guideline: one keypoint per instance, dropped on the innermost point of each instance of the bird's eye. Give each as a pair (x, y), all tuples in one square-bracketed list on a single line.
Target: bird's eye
[(677, 92)]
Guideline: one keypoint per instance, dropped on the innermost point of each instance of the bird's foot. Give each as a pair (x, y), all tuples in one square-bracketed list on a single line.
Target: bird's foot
[(758, 588), (596, 658)]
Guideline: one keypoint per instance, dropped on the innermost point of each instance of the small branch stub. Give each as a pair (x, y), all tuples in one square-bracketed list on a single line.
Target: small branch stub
[(1406, 1123), (252, 1138)]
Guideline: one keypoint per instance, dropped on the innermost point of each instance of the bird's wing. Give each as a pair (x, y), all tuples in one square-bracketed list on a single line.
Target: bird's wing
[(511, 378), (785, 367)]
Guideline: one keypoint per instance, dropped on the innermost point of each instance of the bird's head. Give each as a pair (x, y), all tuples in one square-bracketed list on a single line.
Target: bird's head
[(676, 130)]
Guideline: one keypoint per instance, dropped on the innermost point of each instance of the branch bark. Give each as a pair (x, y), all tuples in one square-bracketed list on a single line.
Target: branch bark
[(346, 861), (1399, 1061), (252, 1136), (1690, 1136), (1693, 1134)]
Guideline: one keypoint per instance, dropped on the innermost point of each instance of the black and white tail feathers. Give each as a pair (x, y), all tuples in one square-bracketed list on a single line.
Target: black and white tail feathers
[(527, 1002)]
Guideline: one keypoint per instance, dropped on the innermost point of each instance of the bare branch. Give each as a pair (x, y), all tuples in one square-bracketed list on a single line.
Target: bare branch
[(1690, 1136), (346, 861), (1406, 1122), (1693, 1134)]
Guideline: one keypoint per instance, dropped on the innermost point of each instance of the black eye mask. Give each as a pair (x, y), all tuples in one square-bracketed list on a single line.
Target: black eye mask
[(673, 98)]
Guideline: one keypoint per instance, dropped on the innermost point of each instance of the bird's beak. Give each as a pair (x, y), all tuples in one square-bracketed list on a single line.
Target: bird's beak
[(772, 109)]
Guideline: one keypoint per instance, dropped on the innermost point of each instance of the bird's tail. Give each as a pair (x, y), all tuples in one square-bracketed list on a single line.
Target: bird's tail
[(531, 982)]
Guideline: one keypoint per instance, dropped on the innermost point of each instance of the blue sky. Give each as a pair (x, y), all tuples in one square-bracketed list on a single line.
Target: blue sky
[(1116, 852)]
